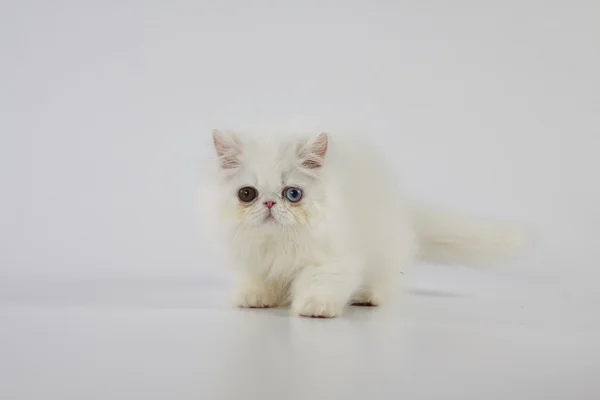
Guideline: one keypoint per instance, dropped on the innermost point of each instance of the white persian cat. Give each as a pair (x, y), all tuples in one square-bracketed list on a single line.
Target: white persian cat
[(319, 223)]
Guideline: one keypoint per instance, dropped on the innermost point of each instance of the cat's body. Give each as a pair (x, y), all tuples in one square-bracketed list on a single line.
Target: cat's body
[(319, 222)]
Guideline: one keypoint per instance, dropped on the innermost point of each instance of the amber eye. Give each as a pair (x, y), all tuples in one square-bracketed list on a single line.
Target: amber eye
[(293, 194), (247, 194)]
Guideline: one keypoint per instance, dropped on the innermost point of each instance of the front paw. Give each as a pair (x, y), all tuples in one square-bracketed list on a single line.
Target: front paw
[(253, 297), (317, 306)]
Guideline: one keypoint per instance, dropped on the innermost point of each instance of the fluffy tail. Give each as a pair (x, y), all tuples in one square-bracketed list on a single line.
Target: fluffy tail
[(449, 238)]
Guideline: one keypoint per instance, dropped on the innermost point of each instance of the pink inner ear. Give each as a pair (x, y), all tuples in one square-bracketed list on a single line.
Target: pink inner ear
[(313, 153), (227, 149)]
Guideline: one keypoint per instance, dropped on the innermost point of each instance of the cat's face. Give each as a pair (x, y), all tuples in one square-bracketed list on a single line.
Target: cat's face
[(271, 184)]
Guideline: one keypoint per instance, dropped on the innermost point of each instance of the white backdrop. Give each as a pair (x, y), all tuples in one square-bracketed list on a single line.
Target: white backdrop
[(106, 110)]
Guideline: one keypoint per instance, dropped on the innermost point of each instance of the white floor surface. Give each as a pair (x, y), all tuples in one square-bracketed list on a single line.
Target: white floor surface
[(179, 339)]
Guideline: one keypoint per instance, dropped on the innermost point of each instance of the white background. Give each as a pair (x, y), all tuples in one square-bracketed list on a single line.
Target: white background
[(106, 109)]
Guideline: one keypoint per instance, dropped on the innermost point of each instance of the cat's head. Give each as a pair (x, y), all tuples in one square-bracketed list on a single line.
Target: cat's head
[(271, 183)]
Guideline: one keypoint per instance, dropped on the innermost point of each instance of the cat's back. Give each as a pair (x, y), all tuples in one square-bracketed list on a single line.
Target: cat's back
[(369, 189), (361, 167)]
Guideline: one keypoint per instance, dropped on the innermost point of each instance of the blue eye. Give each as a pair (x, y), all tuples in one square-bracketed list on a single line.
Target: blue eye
[(293, 194)]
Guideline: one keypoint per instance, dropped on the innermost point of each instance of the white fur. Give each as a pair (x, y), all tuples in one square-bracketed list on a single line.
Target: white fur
[(347, 241)]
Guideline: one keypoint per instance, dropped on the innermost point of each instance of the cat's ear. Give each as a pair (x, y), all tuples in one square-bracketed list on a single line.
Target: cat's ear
[(312, 152), (228, 148)]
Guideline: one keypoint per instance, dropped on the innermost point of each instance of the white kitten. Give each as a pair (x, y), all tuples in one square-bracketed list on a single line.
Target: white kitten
[(318, 222)]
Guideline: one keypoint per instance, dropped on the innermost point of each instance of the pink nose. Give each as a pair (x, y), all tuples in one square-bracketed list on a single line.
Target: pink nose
[(269, 204)]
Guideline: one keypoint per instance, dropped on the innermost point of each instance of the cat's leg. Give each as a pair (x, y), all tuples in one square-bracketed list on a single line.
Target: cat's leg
[(375, 291), (323, 290), (256, 292), (383, 275)]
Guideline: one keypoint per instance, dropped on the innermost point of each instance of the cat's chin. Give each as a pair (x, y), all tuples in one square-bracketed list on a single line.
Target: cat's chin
[(269, 220), (271, 223)]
